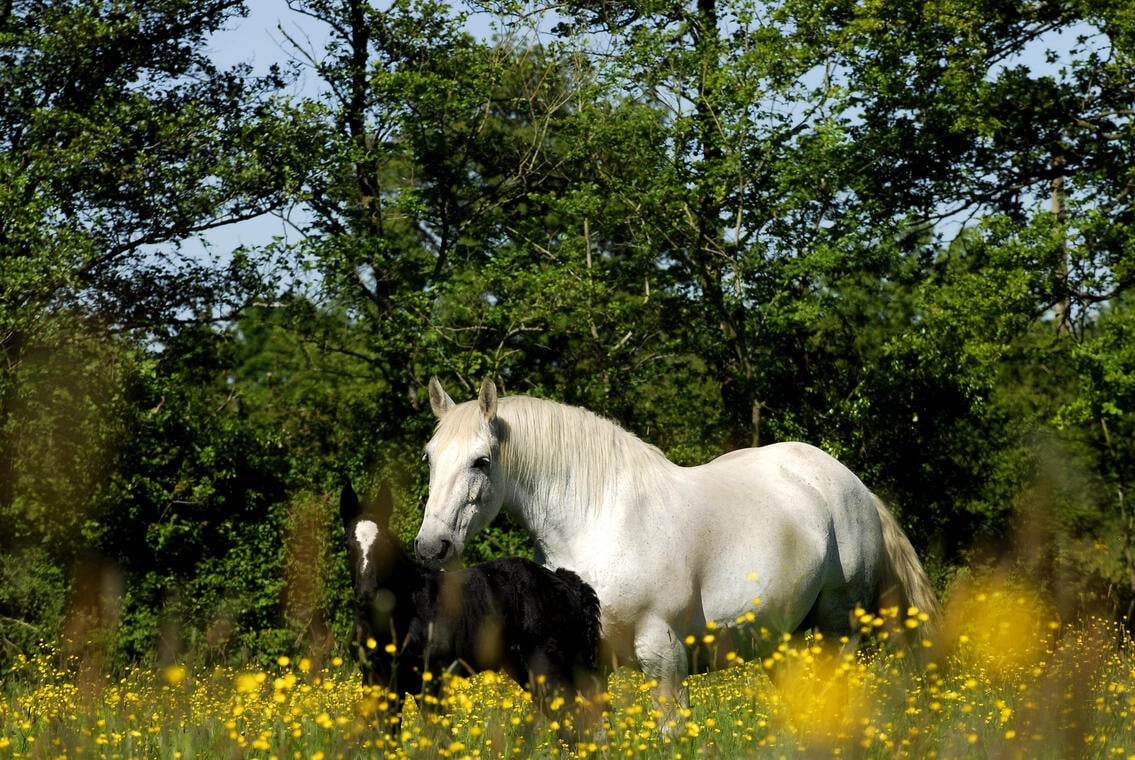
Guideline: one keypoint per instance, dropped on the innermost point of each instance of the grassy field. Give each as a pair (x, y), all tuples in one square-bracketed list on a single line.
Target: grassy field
[(1006, 680)]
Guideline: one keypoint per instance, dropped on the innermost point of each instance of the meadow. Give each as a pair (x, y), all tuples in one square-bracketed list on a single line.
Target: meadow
[(1005, 678)]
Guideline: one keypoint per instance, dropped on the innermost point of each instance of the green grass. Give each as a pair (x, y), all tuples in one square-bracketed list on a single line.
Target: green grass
[(1007, 680)]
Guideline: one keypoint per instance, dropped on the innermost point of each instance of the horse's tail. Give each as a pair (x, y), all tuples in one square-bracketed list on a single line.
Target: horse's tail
[(587, 601), (904, 581)]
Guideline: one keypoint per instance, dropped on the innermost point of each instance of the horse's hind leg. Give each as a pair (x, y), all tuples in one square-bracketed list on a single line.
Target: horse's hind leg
[(833, 615), (662, 656)]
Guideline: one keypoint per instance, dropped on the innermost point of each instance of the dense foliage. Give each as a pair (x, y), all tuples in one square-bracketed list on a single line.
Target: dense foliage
[(718, 223)]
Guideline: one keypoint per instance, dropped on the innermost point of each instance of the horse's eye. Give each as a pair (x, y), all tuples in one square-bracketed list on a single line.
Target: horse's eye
[(481, 463)]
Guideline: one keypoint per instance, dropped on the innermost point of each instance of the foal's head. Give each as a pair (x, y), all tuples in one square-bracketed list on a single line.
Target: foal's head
[(373, 551)]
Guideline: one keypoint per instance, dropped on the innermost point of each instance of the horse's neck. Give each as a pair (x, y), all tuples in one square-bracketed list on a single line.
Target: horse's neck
[(547, 517), (564, 468)]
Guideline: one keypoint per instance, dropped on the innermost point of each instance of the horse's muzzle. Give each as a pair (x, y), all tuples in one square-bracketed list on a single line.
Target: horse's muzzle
[(433, 551)]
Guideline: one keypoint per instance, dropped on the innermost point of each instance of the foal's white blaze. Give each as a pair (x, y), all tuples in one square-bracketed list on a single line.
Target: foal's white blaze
[(366, 533)]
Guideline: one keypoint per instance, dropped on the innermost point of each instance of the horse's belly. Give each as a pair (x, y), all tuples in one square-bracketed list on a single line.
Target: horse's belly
[(772, 580), (779, 526)]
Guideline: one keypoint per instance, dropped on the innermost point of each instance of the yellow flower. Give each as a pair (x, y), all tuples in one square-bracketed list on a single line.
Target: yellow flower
[(174, 674), (247, 683)]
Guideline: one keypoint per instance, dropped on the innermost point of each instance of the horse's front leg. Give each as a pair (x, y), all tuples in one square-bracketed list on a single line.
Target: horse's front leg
[(662, 656)]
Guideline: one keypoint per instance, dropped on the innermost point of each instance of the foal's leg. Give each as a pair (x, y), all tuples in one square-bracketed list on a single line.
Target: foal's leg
[(551, 687), (594, 701), (584, 695), (662, 656)]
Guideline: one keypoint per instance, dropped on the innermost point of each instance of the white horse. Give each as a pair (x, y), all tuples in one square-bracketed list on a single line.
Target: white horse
[(782, 537)]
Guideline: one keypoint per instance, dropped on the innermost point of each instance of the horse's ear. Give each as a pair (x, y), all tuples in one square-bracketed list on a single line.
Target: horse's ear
[(440, 402), (488, 399), (384, 505), (348, 504)]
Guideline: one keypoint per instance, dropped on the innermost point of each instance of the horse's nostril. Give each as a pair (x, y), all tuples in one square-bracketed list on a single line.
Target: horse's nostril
[(440, 553), (433, 552)]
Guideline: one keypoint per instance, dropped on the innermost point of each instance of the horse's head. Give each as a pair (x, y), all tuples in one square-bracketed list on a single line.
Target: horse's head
[(465, 478), (373, 551)]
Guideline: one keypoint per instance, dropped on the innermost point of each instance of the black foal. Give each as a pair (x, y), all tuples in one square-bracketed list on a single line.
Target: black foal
[(538, 626)]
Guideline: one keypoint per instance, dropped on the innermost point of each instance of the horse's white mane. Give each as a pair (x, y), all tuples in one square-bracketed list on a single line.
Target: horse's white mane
[(547, 445)]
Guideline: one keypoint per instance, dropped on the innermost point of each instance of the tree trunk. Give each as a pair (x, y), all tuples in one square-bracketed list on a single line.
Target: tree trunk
[(1062, 306)]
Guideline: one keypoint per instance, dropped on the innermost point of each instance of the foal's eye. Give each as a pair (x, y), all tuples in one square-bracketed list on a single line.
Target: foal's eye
[(481, 463)]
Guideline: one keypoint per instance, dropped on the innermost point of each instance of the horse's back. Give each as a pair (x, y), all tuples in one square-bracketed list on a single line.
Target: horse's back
[(802, 462), (789, 480)]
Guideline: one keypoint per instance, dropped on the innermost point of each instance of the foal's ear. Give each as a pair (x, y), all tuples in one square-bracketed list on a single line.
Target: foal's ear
[(488, 399), (383, 506), (348, 503), (440, 402)]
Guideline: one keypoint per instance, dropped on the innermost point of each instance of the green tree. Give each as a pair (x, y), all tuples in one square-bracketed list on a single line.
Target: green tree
[(1102, 415), (452, 231), (119, 140)]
